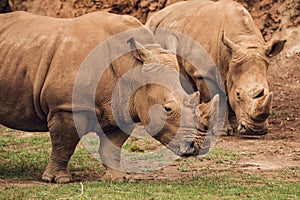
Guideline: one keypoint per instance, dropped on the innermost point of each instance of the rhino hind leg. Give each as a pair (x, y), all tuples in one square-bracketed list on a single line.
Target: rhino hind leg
[(110, 153), (64, 140)]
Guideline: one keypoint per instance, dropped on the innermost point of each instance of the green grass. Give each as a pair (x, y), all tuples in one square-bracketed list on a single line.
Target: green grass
[(216, 155), (26, 158), (23, 159), (221, 156), (208, 187), (280, 114)]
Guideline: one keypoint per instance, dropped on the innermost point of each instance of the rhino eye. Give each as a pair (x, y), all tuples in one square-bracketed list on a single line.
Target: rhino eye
[(168, 108)]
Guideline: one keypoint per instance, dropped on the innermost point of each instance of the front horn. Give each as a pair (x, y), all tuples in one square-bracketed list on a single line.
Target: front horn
[(262, 107)]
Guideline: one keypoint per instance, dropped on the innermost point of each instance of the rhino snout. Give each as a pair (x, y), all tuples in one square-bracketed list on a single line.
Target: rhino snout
[(245, 128), (189, 149), (196, 147)]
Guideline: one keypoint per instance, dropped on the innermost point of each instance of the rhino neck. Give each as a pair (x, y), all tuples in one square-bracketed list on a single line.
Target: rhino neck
[(122, 103), (239, 27)]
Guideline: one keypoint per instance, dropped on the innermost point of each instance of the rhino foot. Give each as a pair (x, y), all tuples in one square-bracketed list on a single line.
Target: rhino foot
[(114, 175), (229, 131), (57, 176)]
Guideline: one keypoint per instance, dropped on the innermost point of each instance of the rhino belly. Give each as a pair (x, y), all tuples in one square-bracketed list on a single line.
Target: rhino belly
[(17, 79), (17, 109)]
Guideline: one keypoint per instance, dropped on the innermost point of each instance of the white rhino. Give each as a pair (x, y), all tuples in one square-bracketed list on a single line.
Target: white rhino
[(227, 32), (40, 58)]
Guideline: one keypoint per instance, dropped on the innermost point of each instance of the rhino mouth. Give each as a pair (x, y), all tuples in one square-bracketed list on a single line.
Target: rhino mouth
[(196, 148), (194, 151), (193, 143), (246, 128)]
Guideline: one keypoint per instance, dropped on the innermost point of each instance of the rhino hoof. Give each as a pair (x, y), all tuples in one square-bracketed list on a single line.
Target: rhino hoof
[(115, 176), (47, 178), (58, 177), (62, 179), (228, 131)]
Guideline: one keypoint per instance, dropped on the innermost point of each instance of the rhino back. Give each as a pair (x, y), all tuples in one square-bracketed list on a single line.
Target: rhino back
[(205, 20), (39, 60)]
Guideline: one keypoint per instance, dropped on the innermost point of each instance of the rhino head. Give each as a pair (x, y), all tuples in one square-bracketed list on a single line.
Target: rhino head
[(168, 113), (247, 85)]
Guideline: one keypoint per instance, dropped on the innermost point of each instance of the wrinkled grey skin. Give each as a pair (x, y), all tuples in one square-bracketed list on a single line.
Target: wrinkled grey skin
[(227, 32), (40, 58)]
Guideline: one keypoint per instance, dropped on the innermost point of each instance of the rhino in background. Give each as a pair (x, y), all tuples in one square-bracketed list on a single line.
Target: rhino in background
[(227, 32), (40, 59)]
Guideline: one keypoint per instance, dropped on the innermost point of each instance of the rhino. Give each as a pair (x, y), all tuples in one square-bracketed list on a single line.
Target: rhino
[(40, 63), (227, 32)]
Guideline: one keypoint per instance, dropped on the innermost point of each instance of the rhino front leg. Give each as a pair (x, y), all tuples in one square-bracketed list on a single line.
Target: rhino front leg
[(231, 122), (64, 140), (110, 153)]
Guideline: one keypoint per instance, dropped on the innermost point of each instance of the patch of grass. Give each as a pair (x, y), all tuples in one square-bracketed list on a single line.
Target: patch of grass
[(23, 158), (155, 156), (82, 160), (222, 156), (183, 167), (5, 129), (26, 158), (292, 172), (136, 148), (285, 115), (188, 164), (134, 144), (132, 147), (296, 168), (207, 187)]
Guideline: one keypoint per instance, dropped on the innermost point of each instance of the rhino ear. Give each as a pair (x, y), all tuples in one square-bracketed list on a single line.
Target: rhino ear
[(229, 44), (141, 53), (274, 47)]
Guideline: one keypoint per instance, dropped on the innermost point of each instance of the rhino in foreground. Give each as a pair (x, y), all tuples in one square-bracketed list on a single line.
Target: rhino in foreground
[(227, 32), (40, 61)]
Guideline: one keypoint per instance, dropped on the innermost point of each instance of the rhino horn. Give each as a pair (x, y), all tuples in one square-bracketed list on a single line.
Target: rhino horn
[(192, 99), (215, 106), (267, 103), (233, 47), (210, 108), (262, 107), (141, 53)]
